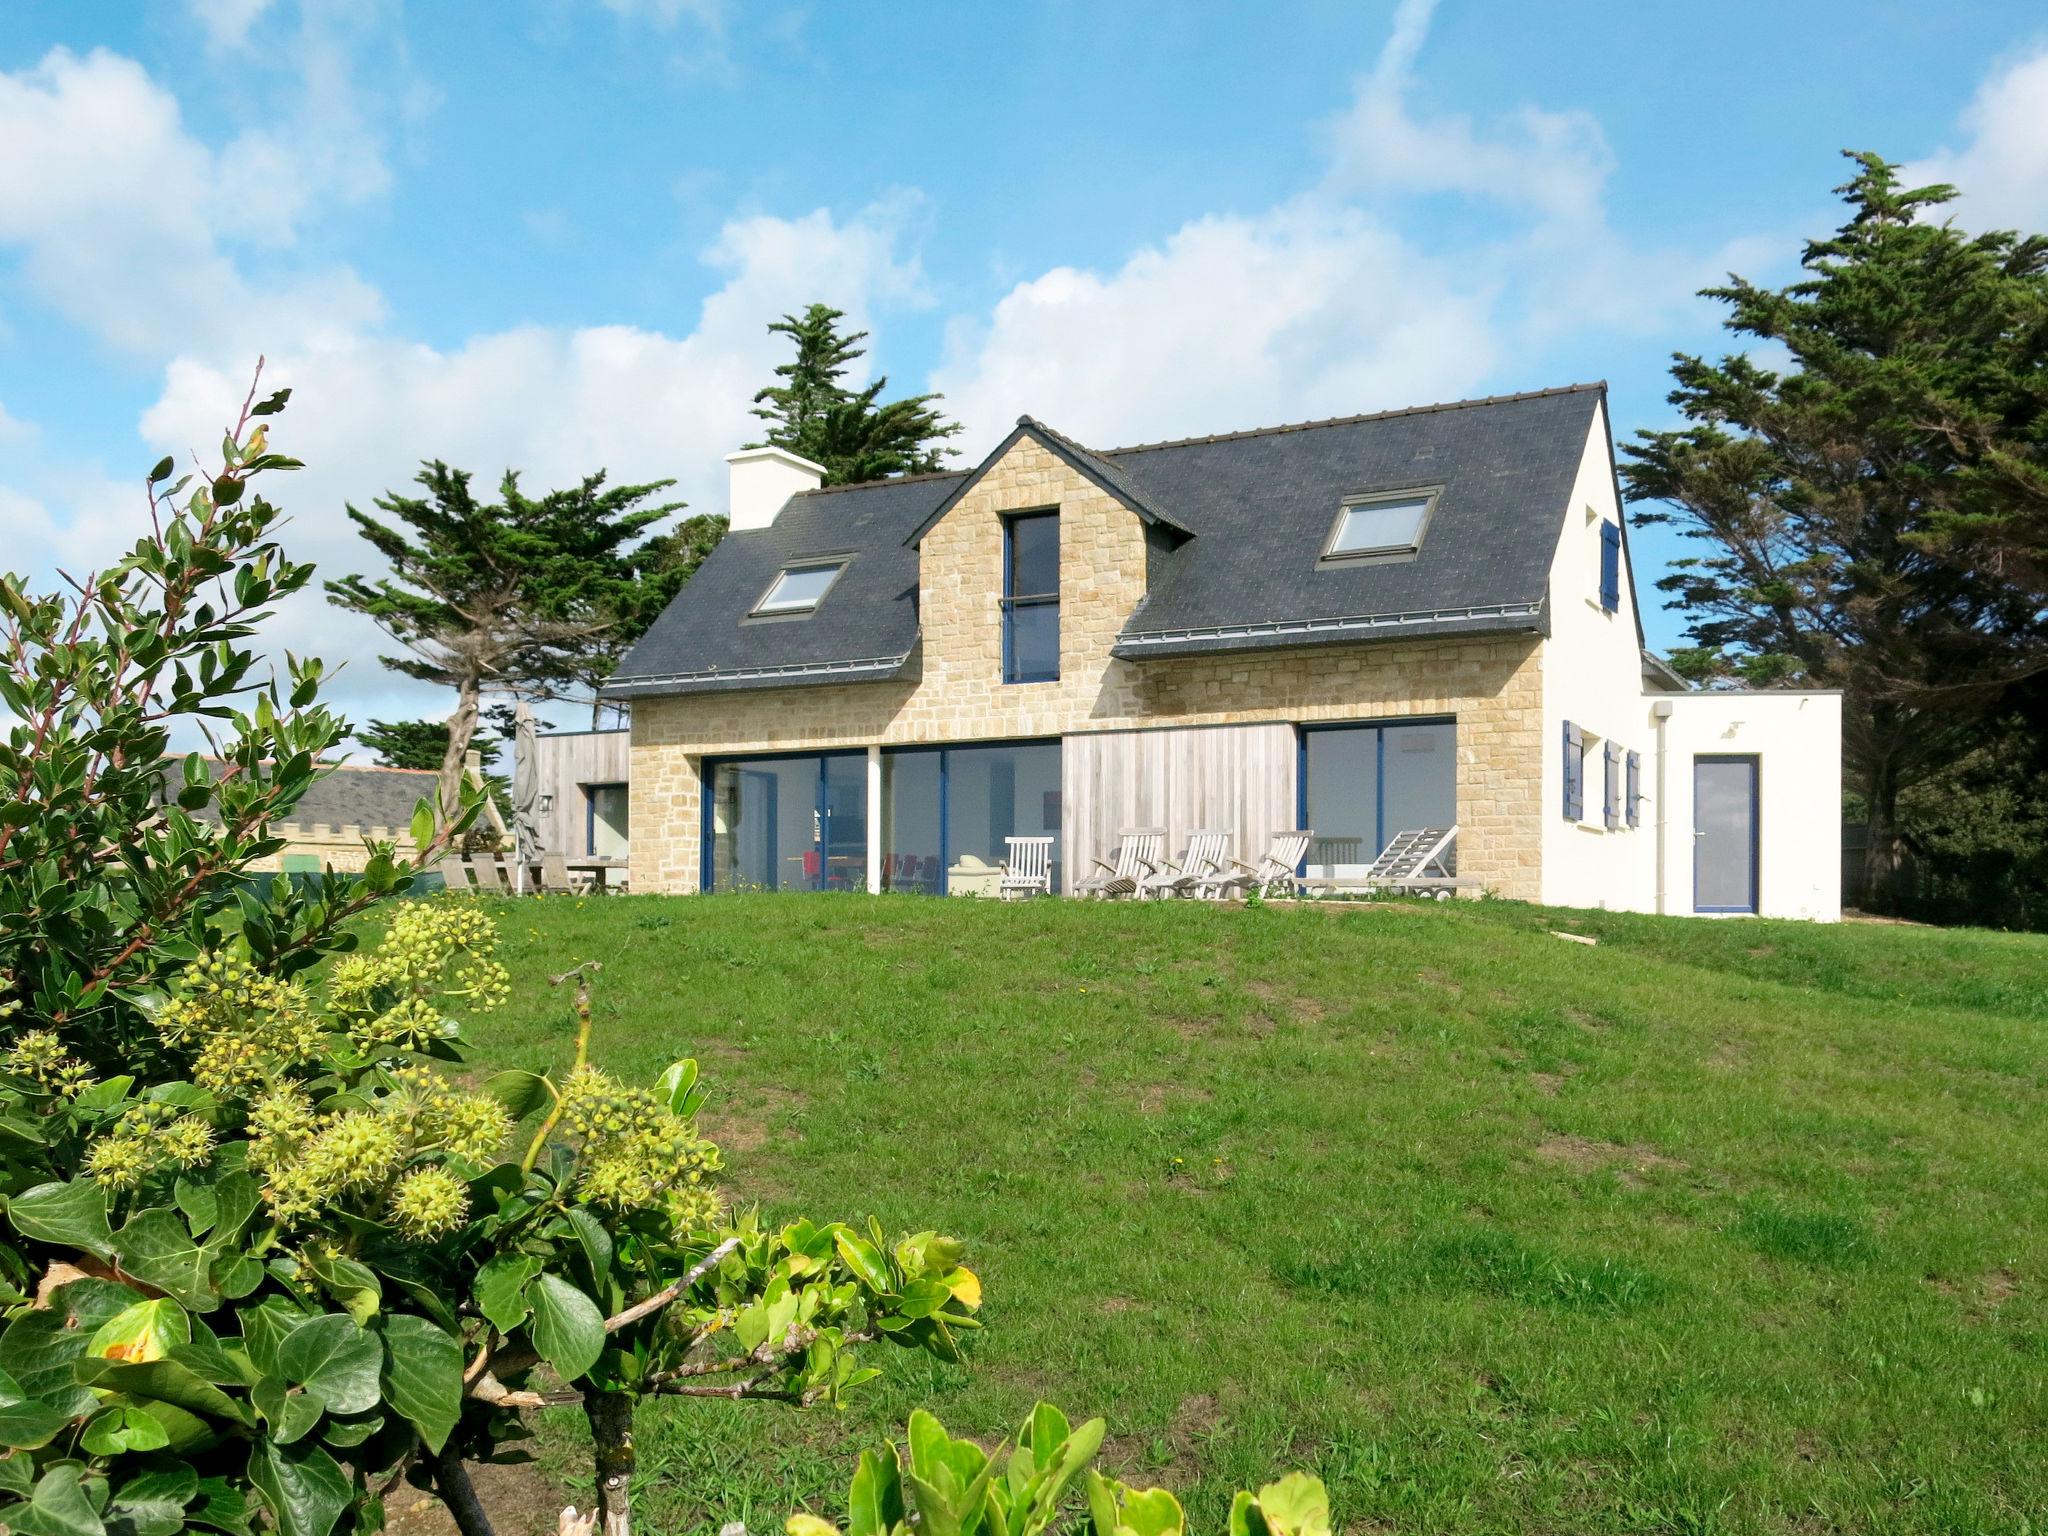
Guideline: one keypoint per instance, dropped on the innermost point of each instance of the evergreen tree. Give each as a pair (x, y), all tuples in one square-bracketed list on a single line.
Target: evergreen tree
[(418, 744), (507, 597), (852, 433), (1875, 513)]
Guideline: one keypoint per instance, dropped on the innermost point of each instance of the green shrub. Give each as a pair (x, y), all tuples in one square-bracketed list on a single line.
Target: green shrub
[(262, 1257)]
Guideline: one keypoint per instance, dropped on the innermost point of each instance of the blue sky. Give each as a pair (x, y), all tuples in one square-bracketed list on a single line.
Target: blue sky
[(548, 233)]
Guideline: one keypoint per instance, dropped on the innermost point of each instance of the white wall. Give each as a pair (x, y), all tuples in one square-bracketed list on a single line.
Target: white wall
[(1797, 740), (1592, 676)]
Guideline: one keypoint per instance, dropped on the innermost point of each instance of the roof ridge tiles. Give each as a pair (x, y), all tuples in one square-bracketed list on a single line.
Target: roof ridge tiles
[(875, 485), (1594, 386)]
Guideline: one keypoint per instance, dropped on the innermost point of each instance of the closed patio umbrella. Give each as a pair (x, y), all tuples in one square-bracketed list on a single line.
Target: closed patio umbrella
[(526, 840)]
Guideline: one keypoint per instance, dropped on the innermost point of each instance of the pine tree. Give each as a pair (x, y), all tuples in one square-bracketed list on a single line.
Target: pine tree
[(850, 432), (1875, 513), (508, 597)]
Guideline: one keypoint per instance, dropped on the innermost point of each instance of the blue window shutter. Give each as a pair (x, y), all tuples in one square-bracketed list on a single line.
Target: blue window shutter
[(1574, 772), (1635, 789), (1610, 799), (1610, 566)]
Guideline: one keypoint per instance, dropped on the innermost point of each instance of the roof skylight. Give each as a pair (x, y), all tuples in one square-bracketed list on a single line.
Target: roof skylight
[(799, 588), (1379, 525)]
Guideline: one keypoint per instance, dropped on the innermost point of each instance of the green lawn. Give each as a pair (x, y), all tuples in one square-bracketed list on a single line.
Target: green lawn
[(1709, 1227)]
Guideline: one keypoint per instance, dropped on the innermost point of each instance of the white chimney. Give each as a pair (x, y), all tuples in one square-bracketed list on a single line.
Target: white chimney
[(763, 479)]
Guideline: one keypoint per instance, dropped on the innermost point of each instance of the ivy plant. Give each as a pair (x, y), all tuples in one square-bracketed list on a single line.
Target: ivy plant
[(263, 1255)]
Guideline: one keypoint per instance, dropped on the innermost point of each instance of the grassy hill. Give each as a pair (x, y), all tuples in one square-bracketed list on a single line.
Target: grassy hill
[(1704, 1227)]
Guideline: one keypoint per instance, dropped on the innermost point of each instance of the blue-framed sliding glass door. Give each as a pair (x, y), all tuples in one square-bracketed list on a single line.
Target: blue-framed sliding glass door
[(947, 811), (795, 823), (1360, 786)]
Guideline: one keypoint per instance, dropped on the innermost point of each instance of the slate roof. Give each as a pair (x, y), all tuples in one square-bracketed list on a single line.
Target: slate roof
[(1244, 517), (361, 795)]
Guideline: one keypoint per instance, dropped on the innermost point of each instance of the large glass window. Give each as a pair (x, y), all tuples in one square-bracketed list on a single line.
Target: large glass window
[(789, 823), (1363, 785), (949, 812), (606, 829), (913, 857), (1031, 598)]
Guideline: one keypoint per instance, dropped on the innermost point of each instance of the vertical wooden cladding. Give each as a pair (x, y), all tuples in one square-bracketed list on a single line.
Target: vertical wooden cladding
[(1236, 777), (568, 760)]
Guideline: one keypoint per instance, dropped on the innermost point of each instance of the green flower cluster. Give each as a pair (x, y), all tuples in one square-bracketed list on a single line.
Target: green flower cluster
[(40, 1055), (246, 1028), (378, 1161), (635, 1152), (148, 1137), (388, 997)]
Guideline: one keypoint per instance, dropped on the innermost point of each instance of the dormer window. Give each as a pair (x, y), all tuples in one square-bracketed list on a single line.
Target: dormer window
[(798, 589), (1379, 527)]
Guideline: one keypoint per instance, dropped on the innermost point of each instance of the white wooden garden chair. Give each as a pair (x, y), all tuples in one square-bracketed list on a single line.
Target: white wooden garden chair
[(1202, 863), (1413, 856), (1138, 852), (1027, 871), (1273, 875)]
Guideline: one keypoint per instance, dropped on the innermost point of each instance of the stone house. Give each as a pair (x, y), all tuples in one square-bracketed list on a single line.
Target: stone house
[(1412, 618)]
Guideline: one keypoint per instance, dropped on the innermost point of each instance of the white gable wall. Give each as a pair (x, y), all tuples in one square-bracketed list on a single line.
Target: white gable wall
[(1592, 677)]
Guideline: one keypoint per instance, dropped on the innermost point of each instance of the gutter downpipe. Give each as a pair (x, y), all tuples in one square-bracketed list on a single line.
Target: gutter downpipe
[(1660, 711)]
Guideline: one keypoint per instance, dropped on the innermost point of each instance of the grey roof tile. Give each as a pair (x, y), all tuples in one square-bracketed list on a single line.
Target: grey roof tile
[(1252, 511)]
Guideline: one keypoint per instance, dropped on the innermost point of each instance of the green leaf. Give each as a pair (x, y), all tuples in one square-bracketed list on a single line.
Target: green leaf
[(568, 1330), (864, 1259), (874, 1505), (70, 1215), (264, 1329), (29, 1423), (184, 1428), (156, 1249), (58, 1507), (423, 822), (40, 1350), (679, 1089), (165, 1380), (336, 1361), (199, 1202), (154, 1504), (597, 1243), (163, 469), (1297, 1505), (520, 1092), (124, 1427), (290, 1415), (221, 1506), (149, 1330), (304, 1487), (423, 1376), (501, 1289), (351, 1284)]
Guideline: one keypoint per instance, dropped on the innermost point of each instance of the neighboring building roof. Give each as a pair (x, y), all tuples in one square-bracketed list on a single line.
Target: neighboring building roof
[(351, 795), (1245, 514)]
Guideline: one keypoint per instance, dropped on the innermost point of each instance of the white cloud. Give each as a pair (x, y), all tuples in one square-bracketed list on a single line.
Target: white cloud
[(13, 429), (2001, 166), (367, 407), (120, 214), (1333, 301), (1307, 310), (227, 22)]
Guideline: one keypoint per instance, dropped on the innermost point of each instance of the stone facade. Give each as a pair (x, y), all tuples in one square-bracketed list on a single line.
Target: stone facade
[(1492, 685)]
